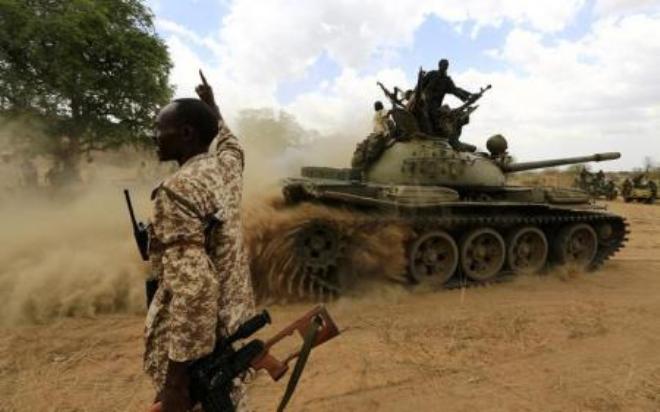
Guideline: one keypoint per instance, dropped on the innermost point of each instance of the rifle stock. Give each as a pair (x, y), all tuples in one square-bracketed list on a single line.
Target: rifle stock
[(327, 331), (275, 368)]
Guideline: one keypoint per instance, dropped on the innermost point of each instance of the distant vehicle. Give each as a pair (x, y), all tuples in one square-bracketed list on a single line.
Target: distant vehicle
[(639, 189), (596, 185)]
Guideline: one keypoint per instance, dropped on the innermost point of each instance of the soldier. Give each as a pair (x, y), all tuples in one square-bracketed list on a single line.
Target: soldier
[(435, 85), (450, 123), (380, 120), (196, 247)]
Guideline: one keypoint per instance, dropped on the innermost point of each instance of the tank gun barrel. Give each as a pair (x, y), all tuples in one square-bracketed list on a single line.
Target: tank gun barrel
[(520, 167)]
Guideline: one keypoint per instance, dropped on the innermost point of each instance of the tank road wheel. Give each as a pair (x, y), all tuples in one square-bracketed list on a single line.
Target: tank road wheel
[(576, 245), (528, 250), (432, 258), (319, 248), (483, 253)]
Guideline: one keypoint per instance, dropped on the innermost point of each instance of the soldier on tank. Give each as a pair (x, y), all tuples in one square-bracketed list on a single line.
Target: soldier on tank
[(380, 119), (450, 125), (370, 149), (435, 85), (196, 247)]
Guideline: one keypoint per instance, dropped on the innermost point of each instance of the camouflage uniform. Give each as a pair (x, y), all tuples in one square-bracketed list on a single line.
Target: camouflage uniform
[(201, 295)]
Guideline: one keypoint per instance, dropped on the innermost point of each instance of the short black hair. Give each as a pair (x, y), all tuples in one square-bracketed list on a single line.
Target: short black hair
[(199, 115), (378, 105)]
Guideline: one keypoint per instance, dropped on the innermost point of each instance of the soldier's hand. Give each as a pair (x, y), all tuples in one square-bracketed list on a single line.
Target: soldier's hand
[(175, 396), (176, 400), (205, 91)]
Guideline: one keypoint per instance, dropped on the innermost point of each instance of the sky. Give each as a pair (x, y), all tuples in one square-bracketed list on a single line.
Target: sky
[(569, 77)]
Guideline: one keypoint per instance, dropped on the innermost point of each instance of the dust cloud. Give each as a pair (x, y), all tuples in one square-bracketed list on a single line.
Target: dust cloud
[(70, 253), (67, 257), (370, 250)]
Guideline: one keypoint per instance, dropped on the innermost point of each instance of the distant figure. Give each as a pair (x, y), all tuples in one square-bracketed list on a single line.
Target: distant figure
[(435, 85), (8, 171), (29, 175), (380, 119)]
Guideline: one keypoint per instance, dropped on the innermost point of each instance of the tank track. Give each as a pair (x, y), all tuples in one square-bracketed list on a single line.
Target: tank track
[(312, 286), (604, 251)]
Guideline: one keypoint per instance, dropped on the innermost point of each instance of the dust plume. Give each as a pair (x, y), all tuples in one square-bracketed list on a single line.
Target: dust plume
[(67, 256), (371, 250), (71, 253), (277, 146)]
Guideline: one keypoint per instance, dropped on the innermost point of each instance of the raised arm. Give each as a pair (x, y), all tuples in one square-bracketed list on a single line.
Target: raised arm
[(205, 93)]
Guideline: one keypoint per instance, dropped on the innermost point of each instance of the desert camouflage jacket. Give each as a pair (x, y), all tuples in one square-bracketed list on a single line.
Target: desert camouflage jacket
[(204, 288)]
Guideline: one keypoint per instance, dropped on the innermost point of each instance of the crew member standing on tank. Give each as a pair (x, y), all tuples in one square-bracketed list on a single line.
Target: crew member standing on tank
[(204, 287), (435, 85)]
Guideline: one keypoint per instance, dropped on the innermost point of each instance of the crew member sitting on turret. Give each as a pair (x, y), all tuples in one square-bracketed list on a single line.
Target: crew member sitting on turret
[(370, 149), (380, 120)]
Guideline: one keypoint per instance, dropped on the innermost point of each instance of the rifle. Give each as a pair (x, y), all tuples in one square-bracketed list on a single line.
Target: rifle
[(474, 97), (413, 105), (390, 95), (211, 377), (141, 236)]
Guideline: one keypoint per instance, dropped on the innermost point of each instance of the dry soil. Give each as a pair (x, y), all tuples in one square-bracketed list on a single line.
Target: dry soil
[(560, 342)]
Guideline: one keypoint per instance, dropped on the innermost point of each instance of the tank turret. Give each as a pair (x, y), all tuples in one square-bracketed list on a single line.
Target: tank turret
[(424, 161)]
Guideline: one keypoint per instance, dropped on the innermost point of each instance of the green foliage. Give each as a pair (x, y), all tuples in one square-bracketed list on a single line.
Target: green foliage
[(93, 70), (577, 169), (269, 133)]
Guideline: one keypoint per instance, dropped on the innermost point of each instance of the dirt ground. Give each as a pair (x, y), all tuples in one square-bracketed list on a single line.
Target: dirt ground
[(560, 342)]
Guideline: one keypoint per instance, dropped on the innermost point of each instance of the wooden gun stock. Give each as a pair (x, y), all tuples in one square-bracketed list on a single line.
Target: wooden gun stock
[(327, 330), (275, 368)]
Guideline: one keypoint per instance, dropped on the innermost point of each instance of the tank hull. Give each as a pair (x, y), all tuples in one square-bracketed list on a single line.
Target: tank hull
[(453, 236)]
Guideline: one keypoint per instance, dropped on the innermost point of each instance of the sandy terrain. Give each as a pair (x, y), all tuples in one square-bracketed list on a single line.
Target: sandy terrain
[(558, 343)]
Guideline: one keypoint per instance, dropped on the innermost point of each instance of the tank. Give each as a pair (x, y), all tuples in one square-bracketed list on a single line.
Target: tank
[(639, 189), (596, 185), (465, 224)]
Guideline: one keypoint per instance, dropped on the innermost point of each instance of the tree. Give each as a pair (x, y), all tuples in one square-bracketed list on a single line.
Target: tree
[(91, 70), (271, 133)]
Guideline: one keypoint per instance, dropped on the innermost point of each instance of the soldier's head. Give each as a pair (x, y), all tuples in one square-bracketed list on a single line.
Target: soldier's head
[(443, 65), (378, 105), (184, 128)]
